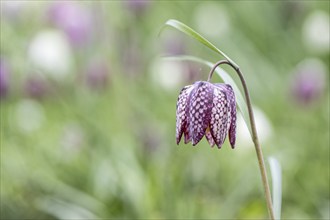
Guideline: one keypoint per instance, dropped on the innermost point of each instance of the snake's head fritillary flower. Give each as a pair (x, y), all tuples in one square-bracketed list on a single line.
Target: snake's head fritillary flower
[(206, 109)]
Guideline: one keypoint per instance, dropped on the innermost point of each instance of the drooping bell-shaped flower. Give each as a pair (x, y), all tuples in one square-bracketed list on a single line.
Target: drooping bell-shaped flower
[(206, 109)]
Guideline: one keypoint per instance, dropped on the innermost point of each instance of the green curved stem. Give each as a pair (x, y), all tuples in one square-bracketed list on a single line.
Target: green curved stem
[(254, 135)]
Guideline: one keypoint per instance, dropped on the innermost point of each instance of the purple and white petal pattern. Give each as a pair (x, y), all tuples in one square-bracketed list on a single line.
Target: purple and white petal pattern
[(232, 104), (205, 109), (209, 137), (181, 116), (228, 90), (187, 135), (200, 107), (219, 117)]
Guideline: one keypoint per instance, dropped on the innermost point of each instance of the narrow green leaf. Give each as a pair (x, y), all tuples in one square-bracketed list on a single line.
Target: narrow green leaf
[(190, 32), (275, 170), (62, 209), (227, 79)]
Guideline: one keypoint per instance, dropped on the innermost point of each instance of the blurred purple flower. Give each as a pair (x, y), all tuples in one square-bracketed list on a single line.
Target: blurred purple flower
[(97, 75), (4, 78), (35, 87), (174, 46), (132, 60), (150, 137), (193, 71), (291, 11), (138, 7), (308, 82), (73, 19), (206, 109)]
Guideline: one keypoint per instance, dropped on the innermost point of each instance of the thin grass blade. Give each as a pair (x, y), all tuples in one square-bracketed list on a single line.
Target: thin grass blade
[(275, 169)]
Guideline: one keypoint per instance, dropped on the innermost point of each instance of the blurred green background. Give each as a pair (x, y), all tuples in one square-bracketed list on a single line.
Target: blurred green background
[(88, 109)]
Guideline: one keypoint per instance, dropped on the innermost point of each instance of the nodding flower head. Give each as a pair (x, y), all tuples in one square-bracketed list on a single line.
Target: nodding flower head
[(206, 109)]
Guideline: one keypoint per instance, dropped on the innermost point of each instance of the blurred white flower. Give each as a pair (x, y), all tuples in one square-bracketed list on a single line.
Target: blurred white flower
[(29, 115), (316, 31), (264, 128), (50, 51), (12, 9), (168, 74), (211, 19)]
